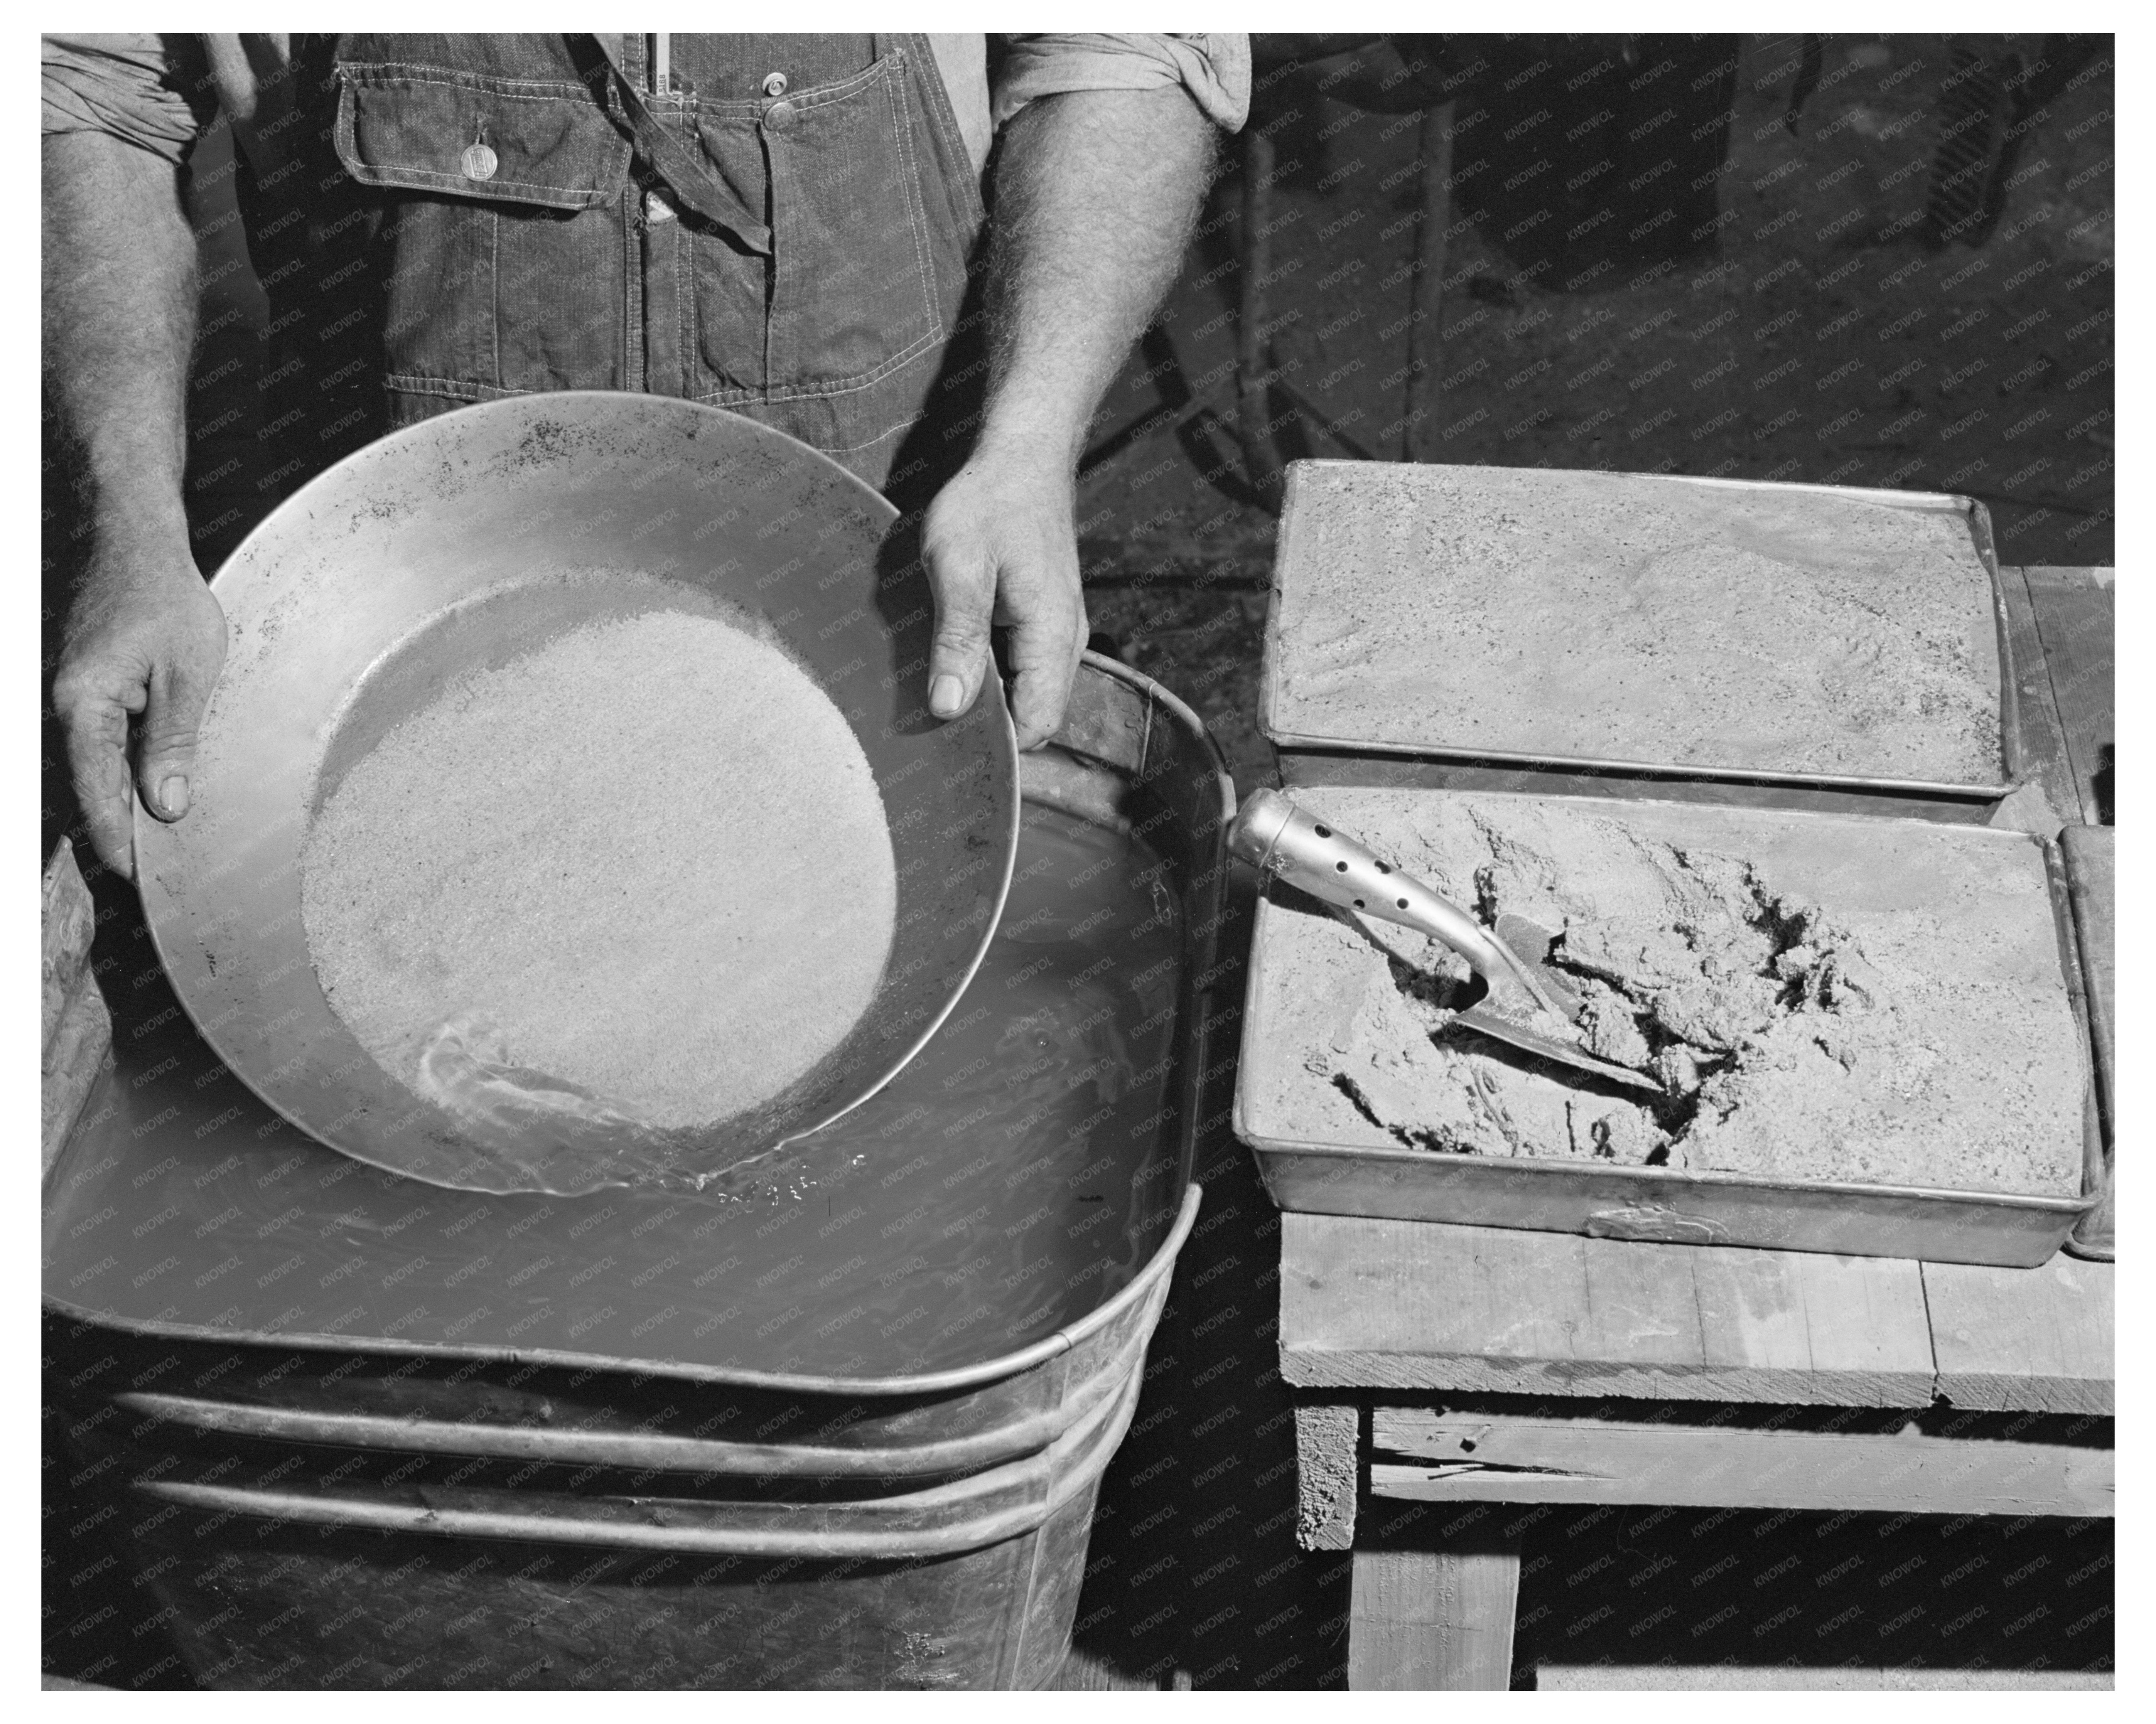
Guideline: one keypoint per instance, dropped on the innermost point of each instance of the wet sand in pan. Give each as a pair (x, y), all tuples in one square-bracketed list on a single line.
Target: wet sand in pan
[(647, 864)]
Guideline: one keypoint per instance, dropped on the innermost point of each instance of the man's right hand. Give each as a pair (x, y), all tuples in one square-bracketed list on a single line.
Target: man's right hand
[(145, 636)]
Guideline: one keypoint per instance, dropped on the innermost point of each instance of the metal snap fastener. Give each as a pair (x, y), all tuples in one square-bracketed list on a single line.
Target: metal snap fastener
[(778, 116), (480, 162), (775, 85)]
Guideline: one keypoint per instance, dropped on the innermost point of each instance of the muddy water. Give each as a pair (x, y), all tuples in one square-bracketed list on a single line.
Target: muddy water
[(1016, 1174)]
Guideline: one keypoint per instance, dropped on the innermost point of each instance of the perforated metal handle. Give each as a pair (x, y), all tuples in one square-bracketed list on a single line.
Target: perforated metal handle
[(1271, 833)]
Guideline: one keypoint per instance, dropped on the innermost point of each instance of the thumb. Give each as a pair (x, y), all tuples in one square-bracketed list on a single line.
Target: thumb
[(171, 719), (964, 584)]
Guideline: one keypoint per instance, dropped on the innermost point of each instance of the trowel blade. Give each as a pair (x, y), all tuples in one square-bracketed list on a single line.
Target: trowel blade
[(1501, 1015), (1530, 942), (1497, 1027)]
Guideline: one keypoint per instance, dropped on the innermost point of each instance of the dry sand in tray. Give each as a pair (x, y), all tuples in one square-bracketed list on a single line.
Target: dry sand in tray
[(1873, 1001), (1614, 617)]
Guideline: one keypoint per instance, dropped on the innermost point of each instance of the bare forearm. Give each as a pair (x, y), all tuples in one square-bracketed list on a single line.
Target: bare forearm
[(145, 638), (119, 327), (1096, 192)]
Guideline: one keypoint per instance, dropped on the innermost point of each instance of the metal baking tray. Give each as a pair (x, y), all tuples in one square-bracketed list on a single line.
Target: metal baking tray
[(1376, 752), (1934, 1223)]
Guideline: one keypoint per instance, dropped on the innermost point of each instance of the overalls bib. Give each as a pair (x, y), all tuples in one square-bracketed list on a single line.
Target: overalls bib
[(781, 225)]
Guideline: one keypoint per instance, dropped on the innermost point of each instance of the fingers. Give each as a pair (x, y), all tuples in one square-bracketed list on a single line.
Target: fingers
[(963, 578), (1000, 548), (159, 656), (1046, 642), (165, 761), (97, 726), (1034, 588)]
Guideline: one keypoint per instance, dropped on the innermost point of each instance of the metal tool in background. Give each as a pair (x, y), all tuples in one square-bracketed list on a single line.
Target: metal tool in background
[(1272, 833)]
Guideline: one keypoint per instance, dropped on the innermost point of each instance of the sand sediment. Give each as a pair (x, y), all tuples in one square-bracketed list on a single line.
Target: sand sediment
[(1547, 614), (642, 871), (1823, 999)]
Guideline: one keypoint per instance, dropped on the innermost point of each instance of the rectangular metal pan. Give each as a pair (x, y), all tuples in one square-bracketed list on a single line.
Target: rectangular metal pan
[(1309, 757), (1933, 1224)]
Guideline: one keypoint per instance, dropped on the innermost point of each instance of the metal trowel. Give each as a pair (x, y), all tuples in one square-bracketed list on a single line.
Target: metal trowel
[(1527, 1007)]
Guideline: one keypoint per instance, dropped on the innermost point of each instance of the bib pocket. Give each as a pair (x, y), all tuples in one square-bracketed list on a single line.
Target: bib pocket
[(524, 140), (851, 292), (510, 189)]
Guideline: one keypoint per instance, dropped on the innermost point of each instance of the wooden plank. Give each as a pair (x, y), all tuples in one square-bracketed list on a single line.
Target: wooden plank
[(1434, 1620), (1499, 1457), (1760, 1678), (2073, 615), (2091, 863), (69, 925), (1327, 1439), (2034, 1339), (1865, 1323), (77, 1028), (81, 1052), (1428, 1305), (2041, 737)]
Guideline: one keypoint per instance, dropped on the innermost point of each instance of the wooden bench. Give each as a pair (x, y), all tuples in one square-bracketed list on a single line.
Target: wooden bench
[(1441, 1365), (1445, 1364)]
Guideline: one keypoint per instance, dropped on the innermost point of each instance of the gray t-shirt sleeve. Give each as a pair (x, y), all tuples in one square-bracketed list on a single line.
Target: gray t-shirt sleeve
[(145, 91), (1215, 68)]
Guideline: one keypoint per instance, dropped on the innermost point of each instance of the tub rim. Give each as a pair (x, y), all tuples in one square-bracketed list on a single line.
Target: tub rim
[(998, 1368)]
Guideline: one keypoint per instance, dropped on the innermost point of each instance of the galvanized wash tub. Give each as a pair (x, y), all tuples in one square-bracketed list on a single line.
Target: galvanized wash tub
[(430, 1507)]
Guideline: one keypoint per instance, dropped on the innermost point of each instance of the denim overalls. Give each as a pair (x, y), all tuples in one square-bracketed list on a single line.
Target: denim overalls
[(783, 226)]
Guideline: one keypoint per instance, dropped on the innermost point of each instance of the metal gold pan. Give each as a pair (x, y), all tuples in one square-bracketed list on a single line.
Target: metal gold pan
[(444, 546)]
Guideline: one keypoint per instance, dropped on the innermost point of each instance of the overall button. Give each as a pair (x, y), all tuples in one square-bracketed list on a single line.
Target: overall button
[(775, 85), (778, 116), (480, 162)]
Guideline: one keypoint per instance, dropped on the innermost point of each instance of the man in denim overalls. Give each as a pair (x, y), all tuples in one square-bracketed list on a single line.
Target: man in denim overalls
[(785, 226)]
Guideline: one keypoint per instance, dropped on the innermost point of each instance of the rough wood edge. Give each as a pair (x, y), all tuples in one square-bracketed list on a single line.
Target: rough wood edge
[(2002, 1392), (1487, 1374), (68, 925), (2001, 1338), (2074, 574), (1327, 1462), (76, 1033), (2080, 1487), (2042, 738), (2092, 890), (79, 1055), (2083, 771), (1434, 1619), (1504, 1457)]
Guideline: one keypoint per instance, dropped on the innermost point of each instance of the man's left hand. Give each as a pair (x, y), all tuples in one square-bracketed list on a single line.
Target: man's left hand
[(1001, 546)]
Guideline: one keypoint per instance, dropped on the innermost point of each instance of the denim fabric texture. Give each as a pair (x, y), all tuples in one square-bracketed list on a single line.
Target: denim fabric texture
[(561, 268), (444, 219)]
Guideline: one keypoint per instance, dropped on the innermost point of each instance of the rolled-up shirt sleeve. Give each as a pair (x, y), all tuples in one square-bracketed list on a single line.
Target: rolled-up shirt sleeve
[(137, 89), (1215, 68)]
